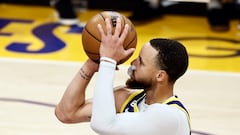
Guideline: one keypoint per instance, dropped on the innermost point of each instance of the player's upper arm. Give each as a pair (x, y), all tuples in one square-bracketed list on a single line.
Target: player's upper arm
[(82, 114), (121, 94)]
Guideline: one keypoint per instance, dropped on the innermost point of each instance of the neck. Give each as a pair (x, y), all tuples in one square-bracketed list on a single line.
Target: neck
[(158, 94)]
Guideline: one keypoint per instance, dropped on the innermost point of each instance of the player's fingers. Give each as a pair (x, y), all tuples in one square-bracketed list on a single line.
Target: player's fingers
[(108, 26), (125, 32), (118, 27), (100, 29), (129, 51)]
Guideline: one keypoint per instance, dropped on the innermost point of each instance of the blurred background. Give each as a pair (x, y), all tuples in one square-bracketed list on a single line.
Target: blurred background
[(41, 50)]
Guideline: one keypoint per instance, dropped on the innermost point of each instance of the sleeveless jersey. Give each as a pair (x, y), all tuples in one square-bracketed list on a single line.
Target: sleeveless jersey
[(132, 102)]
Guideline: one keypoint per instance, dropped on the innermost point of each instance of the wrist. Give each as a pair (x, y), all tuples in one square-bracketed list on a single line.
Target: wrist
[(109, 60), (85, 73)]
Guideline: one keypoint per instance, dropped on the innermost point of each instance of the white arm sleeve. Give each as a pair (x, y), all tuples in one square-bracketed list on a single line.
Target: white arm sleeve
[(104, 110), (158, 119)]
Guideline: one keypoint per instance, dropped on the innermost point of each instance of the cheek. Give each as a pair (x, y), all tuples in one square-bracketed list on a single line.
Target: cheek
[(144, 74), (141, 74)]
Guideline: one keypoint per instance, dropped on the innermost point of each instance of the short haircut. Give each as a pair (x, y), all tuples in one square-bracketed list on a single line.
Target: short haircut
[(172, 57)]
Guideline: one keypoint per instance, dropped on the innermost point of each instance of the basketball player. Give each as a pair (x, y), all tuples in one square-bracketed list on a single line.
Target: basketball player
[(146, 105)]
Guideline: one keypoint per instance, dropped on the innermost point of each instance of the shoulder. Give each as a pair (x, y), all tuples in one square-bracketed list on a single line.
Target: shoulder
[(169, 113), (164, 115), (121, 94)]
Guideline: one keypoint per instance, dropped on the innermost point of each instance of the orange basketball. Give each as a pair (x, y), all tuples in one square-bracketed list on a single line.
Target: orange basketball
[(91, 37)]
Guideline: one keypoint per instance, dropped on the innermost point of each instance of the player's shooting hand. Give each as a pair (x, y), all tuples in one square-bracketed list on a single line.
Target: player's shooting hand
[(112, 42)]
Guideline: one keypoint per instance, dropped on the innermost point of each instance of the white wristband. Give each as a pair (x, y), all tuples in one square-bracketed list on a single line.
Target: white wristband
[(106, 59)]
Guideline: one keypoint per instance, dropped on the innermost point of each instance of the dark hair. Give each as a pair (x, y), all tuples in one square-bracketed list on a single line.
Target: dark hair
[(172, 57)]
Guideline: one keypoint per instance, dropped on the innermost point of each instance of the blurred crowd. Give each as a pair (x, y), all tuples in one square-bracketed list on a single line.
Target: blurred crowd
[(218, 12)]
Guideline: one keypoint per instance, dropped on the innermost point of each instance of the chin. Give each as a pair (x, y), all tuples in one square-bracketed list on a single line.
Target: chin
[(133, 84)]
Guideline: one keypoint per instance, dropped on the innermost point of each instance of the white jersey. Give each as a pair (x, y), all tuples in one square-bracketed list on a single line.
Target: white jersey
[(136, 103)]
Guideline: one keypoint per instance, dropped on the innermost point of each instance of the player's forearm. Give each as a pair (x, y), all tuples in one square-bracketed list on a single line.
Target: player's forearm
[(104, 110), (74, 97)]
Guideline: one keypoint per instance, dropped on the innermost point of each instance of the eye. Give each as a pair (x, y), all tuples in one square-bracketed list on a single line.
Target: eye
[(140, 61)]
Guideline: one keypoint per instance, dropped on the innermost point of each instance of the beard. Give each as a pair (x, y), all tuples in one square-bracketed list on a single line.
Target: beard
[(134, 84)]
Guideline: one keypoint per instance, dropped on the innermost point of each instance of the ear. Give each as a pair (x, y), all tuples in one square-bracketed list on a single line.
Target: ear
[(161, 75)]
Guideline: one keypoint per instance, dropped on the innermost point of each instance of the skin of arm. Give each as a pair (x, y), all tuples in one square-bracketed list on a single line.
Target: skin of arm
[(74, 107)]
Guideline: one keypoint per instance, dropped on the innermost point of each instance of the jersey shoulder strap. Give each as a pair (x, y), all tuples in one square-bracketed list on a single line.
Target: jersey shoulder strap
[(174, 101), (130, 105)]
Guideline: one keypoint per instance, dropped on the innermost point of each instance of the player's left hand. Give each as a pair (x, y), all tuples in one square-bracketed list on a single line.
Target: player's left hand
[(112, 42)]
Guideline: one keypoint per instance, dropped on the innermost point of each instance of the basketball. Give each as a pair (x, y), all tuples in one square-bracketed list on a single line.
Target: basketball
[(91, 37)]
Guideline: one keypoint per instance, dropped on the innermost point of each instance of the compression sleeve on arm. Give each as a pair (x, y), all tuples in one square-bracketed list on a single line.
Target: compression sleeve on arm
[(104, 110)]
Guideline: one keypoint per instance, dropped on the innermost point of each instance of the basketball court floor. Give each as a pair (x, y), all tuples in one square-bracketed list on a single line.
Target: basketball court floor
[(39, 57)]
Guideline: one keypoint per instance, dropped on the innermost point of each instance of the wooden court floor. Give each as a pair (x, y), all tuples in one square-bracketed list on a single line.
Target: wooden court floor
[(39, 57)]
